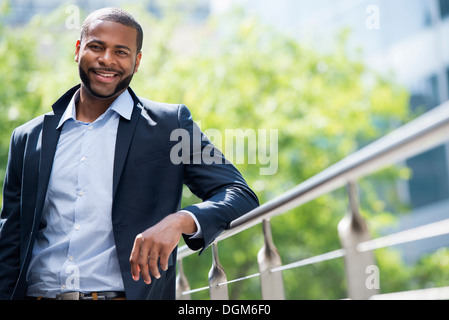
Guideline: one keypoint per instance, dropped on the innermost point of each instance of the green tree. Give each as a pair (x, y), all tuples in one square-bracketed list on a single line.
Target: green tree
[(36, 66), (19, 72)]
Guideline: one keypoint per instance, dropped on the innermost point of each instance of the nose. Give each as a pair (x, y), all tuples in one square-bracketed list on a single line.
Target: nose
[(106, 58)]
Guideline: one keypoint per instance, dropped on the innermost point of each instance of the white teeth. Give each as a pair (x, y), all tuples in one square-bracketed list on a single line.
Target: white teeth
[(106, 75)]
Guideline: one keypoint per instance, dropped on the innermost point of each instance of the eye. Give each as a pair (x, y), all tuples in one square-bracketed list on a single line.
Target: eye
[(122, 53), (95, 47)]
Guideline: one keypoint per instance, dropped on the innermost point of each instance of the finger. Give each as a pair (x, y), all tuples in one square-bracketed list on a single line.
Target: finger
[(163, 260), (152, 264), (134, 257), (143, 262)]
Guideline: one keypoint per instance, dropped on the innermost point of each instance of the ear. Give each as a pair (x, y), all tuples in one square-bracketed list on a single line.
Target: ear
[(139, 56), (77, 50)]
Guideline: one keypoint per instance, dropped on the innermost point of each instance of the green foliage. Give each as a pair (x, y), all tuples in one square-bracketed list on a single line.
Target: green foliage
[(240, 74), (19, 76), (34, 71)]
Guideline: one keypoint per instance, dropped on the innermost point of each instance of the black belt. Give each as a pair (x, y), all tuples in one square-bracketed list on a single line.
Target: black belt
[(103, 295)]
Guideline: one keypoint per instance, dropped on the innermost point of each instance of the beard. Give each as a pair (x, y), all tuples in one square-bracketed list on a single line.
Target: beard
[(86, 81)]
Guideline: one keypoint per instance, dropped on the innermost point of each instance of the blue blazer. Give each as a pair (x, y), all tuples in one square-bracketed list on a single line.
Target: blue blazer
[(147, 186)]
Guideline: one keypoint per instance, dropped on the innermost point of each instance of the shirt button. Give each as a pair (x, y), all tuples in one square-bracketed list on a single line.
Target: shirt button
[(70, 258), (90, 127), (83, 159), (77, 227), (63, 287), (80, 193)]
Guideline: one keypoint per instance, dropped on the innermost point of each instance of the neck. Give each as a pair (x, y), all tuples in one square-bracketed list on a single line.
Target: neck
[(89, 107)]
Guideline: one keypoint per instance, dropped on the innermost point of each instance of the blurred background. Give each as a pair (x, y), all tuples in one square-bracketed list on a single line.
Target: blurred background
[(330, 75)]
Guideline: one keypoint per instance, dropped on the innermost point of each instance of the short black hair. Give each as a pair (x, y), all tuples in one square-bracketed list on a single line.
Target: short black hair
[(114, 15)]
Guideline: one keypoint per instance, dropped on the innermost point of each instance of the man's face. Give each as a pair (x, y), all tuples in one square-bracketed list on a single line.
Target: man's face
[(107, 58)]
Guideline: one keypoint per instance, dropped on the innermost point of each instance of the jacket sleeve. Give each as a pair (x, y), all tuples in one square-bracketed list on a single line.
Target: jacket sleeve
[(10, 221), (224, 193)]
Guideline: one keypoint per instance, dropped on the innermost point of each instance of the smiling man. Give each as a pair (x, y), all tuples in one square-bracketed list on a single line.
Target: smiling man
[(91, 200)]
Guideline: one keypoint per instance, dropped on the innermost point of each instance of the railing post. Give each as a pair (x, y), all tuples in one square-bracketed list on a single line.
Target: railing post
[(352, 231), (182, 284), (272, 283), (218, 289)]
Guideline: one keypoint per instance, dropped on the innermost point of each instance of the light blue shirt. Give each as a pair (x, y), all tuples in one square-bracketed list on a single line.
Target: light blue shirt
[(75, 251)]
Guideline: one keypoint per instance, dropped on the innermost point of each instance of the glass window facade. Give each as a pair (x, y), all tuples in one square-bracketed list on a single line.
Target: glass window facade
[(444, 8), (403, 18), (429, 182), (430, 179)]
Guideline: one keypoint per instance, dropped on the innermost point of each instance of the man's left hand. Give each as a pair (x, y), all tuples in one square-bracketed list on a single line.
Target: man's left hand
[(157, 243)]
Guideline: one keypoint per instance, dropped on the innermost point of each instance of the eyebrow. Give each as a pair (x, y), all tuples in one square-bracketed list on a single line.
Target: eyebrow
[(117, 46)]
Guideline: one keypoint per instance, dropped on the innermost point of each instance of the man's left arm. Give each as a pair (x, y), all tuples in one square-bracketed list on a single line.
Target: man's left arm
[(225, 196)]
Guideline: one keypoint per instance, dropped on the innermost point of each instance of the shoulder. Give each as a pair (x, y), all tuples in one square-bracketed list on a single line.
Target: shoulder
[(162, 107), (31, 127), (164, 111)]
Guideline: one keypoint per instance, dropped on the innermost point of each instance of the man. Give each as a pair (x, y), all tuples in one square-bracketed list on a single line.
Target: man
[(91, 197)]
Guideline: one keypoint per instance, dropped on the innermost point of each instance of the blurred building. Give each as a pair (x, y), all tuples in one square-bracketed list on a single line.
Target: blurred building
[(408, 37), (23, 10)]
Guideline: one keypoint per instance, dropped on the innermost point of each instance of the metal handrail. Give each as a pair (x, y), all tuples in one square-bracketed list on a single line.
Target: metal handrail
[(428, 231), (427, 131)]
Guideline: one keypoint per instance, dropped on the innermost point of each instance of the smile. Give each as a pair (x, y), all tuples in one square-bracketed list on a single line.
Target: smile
[(105, 73), (105, 76)]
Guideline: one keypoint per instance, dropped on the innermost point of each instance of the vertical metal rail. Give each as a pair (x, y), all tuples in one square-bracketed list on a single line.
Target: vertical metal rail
[(182, 284), (352, 231), (218, 289), (268, 258)]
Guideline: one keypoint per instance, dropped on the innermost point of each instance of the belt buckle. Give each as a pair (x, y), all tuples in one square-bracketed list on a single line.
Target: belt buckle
[(68, 296)]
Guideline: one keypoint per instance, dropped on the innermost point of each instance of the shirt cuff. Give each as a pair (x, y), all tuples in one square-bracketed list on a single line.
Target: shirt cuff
[(199, 233)]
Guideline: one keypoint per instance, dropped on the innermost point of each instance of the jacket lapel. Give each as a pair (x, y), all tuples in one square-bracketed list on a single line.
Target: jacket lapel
[(125, 133), (50, 137)]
